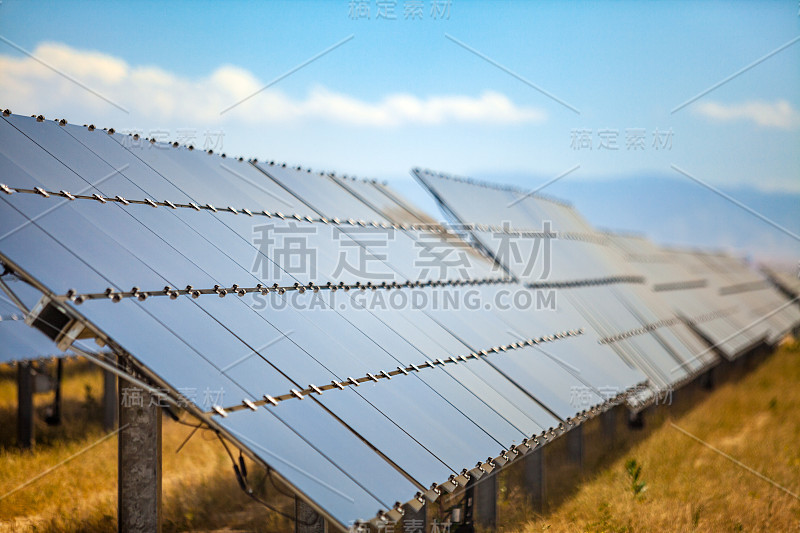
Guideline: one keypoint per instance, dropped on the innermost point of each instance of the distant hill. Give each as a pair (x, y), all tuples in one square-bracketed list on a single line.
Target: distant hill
[(672, 210)]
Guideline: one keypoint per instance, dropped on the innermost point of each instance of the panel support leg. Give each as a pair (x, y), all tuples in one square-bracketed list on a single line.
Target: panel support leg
[(25, 410), (534, 479), (708, 379), (575, 445), (486, 501), (109, 400), (139, 461), (414, 520), (608, 422), (54, 419), (307, 520), (636, 420)]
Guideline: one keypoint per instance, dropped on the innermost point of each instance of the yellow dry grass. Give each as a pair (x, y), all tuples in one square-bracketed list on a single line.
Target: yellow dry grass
[(691, 487)]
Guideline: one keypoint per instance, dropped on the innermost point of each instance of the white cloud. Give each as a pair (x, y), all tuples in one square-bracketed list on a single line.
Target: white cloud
[(778, 114), (153, 93)]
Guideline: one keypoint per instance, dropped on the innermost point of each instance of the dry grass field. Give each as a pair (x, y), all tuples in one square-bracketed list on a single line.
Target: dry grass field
[(687, 485)]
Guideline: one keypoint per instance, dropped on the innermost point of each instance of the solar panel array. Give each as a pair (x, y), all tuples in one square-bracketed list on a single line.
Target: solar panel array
[(369, 356), (646, 302), (324, 369)]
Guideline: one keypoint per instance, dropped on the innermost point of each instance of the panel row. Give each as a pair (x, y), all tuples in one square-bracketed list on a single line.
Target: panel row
[(518, 365)]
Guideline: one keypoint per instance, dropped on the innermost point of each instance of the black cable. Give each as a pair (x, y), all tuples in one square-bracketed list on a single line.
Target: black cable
[(172, 414), (242, 465), (247, 490), (274, 485), (224, 445), (194, 427), (179, 421), (191, 434), (293, 518)]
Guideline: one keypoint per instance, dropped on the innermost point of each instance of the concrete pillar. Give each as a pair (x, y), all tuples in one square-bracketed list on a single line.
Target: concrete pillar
[(110, 400), (138, 461), (25, 410), (307, 520), (575, 445), (533, 476), (485, 498)]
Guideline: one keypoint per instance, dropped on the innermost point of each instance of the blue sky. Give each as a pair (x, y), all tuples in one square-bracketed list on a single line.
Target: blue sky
[(399, 93)]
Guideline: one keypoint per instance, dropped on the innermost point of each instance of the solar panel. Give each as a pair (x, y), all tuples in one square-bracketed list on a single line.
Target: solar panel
[(320, 191), (384, 201), (787, 283), (21, 343), (757, 294), (433, 342)]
